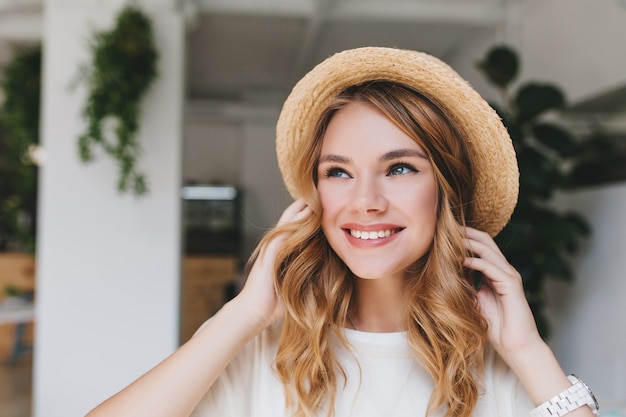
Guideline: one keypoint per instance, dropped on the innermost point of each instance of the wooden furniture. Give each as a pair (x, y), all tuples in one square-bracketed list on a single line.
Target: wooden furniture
[(20, 314), (17, 270), (205, 284)]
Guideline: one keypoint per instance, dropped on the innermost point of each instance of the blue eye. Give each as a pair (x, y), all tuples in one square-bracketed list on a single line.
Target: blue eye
[(401, 169), (336, 173)]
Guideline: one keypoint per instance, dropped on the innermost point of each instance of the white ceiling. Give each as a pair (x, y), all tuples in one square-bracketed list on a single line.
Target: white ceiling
[(253, 51)]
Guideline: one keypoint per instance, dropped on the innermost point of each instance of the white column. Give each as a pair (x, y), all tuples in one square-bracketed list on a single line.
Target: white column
[(108, 264)]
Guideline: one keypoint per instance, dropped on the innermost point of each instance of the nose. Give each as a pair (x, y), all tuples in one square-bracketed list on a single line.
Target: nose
[(368, 196)]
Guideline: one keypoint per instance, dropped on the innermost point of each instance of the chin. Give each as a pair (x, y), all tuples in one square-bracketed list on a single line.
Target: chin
[(375, 273)]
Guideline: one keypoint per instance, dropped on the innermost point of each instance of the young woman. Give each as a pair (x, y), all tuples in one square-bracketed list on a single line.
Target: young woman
[(380, 291)]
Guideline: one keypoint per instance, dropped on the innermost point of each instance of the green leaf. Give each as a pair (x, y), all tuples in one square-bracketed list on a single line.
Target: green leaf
[(554, 265), (19, 130), (534, 99), (500, 66), (538, 174), (555, 138), (556, 230), (543, 325), (610, 169), (533, 282), (578, 224), (515, 131), (21, 85)]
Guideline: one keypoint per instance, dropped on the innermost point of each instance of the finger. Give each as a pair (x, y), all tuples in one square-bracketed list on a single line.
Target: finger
[(307, 211), (486, 252), (482, 244), (292, 210), (496, 278), (483, 237), (486, 302)]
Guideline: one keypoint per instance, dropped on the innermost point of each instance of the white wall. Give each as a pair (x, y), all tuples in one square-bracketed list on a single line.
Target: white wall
[(589, 316), (242, 151), (212, 152), (265, 196), (108, 264), (576, 44)]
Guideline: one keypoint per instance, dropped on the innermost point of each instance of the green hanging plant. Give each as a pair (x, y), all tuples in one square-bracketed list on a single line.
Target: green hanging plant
[(123, 67), (19, 135)]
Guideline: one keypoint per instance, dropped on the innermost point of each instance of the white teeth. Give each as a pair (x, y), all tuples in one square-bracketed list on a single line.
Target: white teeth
[(359, 234)]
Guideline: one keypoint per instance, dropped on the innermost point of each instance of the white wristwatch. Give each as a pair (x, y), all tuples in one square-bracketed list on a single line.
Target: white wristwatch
[(578, 395)]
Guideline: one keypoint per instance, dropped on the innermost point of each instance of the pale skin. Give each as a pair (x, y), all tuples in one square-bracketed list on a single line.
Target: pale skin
[(176, 385)]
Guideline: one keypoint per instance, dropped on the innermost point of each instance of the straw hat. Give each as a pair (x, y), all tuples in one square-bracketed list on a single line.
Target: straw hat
[(491, 150)]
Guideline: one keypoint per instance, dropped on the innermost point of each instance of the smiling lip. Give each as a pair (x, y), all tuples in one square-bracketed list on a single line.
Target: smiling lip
[(371, 233)]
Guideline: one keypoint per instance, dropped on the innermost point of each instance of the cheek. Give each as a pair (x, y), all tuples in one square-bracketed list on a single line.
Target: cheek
[(328, 201), (427, 196), (424, 201), (327, 214), (423, 194), (430, 204), (331, 209)]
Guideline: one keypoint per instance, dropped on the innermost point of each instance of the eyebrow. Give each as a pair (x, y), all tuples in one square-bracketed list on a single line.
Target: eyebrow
[(333, 158), (402, 153), (395, 154)]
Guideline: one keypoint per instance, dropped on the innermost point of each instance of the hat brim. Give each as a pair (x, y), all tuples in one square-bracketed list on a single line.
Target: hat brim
[(491, 150)]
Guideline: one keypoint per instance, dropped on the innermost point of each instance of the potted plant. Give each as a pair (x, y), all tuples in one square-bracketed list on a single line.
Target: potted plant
[(540, 240)]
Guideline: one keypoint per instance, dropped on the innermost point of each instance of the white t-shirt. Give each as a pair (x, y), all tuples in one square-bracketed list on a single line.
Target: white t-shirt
[(391, 383)]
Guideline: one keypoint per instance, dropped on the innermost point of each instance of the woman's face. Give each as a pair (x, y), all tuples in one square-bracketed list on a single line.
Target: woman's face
[(378, 193)]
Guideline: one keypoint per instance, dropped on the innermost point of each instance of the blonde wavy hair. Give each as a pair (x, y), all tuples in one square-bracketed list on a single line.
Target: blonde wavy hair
[(445, 329)]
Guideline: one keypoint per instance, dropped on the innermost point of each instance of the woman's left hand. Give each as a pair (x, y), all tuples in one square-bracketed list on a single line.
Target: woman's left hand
[(501, 298), (512, 330)]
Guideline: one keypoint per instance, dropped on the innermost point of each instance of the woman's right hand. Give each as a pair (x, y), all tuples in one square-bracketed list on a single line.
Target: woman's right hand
[(259, 296)]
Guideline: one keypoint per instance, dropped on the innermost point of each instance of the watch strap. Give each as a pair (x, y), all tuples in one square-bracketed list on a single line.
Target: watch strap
[(576, 396)]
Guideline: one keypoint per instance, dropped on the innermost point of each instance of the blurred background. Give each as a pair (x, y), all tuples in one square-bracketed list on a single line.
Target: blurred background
[(138, 170)]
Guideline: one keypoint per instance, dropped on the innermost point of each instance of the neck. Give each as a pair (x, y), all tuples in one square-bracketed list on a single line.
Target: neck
[(379, 305)]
